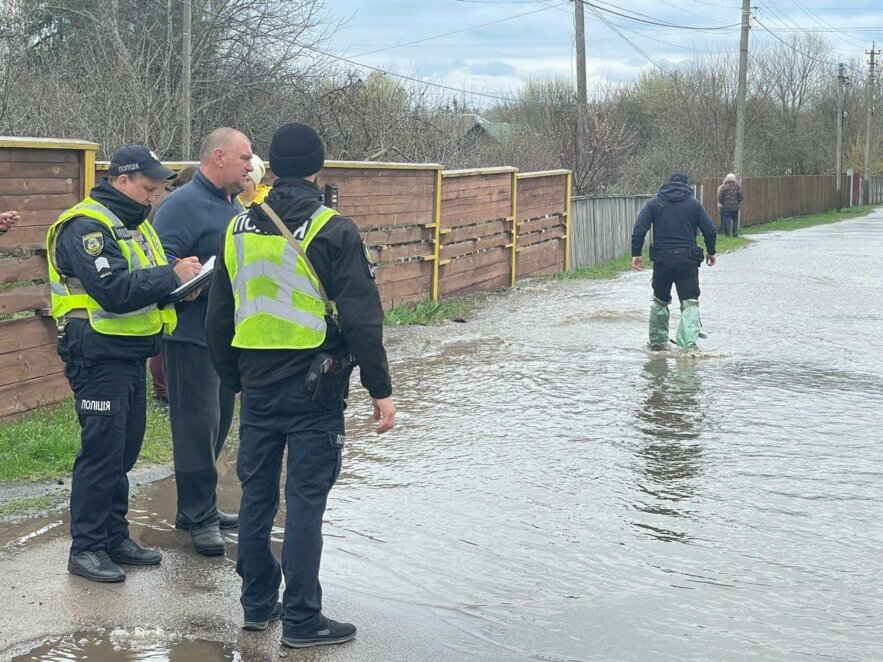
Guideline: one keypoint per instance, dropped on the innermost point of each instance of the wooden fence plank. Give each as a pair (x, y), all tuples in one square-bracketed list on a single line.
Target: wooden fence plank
[(20, 299), (30, 394), (16, 335), (13, 269), (26, 186), (29, 364)]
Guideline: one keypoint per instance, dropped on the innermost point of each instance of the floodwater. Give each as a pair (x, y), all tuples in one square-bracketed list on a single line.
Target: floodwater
[(554, 491)]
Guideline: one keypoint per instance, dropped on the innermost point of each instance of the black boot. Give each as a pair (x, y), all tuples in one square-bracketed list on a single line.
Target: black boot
[(228, 520), (95, 566), (328, 632), (260, 626), (208, 541), (131, 553), (225, 521)]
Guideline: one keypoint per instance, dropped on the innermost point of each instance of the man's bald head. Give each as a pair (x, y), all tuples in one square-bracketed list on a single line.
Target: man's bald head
[(222, 138), (225, 159)]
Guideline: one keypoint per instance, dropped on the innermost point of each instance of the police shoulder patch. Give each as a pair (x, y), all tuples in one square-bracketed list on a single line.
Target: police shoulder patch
[(93, 243)]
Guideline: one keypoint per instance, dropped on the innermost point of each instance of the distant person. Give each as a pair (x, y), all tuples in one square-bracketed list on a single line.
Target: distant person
[(157, 369), (192, 222), (675, 216), (7, 220), (255, 191), (729, 199)]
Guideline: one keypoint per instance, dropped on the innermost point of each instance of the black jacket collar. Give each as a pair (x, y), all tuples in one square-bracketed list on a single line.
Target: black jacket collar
[(130, 212)]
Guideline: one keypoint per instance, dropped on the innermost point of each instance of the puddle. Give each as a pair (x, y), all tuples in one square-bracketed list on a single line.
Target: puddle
[(137, 645)]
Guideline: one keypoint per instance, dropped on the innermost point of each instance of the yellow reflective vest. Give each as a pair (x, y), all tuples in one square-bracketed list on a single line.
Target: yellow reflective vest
[(68, 294), (278, 303)]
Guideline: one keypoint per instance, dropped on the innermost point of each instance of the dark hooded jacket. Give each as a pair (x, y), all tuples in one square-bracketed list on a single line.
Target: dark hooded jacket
[(341, 263), (675, 216)]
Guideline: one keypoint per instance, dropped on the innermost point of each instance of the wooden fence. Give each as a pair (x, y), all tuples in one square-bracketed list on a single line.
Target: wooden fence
[(40, 178), (434, 233), (875, 190), (769, 198), (602, 227)]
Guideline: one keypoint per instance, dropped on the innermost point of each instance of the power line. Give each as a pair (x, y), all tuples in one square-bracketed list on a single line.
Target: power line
[(797, 50), (448, 34), (650, 20)]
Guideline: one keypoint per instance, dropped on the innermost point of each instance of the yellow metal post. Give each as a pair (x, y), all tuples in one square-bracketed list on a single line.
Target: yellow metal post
[(437, 240), (88, 171), (567, 221), (514, 228)]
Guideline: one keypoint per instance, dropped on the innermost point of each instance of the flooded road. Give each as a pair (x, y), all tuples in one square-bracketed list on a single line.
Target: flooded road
[(555, 492)]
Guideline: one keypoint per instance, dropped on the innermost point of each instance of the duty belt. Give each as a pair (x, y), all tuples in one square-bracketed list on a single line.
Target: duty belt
[(673, 251)]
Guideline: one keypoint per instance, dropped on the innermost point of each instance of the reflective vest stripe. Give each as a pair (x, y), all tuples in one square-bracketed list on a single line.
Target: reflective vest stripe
[(288, 312), (69, 296)]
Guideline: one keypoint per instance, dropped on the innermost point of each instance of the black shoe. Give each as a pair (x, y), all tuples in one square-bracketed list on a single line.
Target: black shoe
[(95, 566), (259, 626), (226, 521), (208, 541), (131, 553), (328, 632)]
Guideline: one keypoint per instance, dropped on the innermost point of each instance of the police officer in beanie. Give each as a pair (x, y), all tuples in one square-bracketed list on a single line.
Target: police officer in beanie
[(107, 271), (675, 216), (278, 323)]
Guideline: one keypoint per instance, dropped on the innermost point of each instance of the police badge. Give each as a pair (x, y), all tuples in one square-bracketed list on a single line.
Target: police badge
[(93, 243)]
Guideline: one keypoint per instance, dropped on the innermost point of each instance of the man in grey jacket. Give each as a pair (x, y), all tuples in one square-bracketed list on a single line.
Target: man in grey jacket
[(192, 221)]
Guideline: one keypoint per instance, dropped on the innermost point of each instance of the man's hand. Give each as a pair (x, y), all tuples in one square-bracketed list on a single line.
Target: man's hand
[(8, 219), (710, 260), (186, 269), (194, 295), (385, 412), (638, 263)]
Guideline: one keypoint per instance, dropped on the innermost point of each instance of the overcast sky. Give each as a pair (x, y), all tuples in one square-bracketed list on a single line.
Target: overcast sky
[(537, 38)]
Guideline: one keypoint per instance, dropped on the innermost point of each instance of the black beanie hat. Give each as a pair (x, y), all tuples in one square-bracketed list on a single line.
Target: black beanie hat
[(296, 150), (677, 176)]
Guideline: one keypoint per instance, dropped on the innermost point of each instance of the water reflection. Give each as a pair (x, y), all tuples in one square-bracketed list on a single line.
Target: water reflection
[(124, 647), (670, 422)]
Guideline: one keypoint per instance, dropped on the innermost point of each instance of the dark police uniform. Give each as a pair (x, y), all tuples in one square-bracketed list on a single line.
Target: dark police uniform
[(675, 216), (106, 370), (276, 411)]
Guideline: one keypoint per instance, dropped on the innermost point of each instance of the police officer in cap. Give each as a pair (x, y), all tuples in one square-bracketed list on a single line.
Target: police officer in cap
[(107, 272), (292, 319), (675, 216)]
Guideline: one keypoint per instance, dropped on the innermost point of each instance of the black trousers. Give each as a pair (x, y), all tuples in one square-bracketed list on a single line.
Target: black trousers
[(201, 412), (680, 270), (273, 419), (730, 222), (111, 406)]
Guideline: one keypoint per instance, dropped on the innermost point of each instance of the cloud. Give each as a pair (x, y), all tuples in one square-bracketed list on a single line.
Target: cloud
[(493, 68)]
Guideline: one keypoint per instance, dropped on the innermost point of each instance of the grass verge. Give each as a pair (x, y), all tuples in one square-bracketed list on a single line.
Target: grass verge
[(42, 444), (18, 506), (430, 312)]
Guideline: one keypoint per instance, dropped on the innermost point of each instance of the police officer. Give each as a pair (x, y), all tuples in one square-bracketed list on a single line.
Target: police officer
[(271, 329), (675, 215), (107, 271)]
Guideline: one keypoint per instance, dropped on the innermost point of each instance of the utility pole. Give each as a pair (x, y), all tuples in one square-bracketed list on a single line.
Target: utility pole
[(866, 184), (841, 88), (579, 22), (185, 83), (743, 84)]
